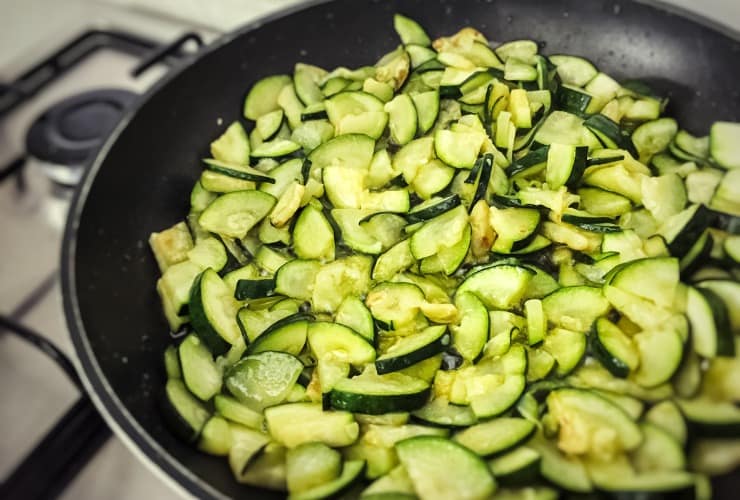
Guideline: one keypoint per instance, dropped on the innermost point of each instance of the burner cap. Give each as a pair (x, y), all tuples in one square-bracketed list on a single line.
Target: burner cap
[(71, 131)]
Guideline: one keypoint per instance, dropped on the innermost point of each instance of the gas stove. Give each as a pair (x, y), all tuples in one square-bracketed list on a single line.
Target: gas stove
[(66, 89), (63, 85)]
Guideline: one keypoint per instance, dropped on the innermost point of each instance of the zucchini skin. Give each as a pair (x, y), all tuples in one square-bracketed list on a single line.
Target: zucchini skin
[(375, 404), (389, 365), (200, 323)]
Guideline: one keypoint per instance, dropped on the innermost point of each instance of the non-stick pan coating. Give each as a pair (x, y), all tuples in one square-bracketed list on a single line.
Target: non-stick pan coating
[(141, 181)]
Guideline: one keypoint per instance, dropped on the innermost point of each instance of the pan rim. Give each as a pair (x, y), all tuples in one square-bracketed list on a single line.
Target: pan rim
[(147, 449)]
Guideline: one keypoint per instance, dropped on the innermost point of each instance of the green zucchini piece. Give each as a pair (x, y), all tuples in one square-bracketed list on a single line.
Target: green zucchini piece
[(232, 146), (378, 394), (413, 348), (264, 379), (724, 145), (500, 287), (213, 312), (710, 326), (234, 411), (234, 214), (294, 424), (471, 334), (441, 469), (263, 96), (496, 436), (199, 371), (615, 350), (310, 465), (351, 471), (313, 236), (183, 412), (520, 466)]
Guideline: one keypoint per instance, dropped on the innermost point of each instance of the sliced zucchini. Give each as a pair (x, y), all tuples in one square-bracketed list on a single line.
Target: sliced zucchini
[(234, 214), (440, 412), (499, 287), (378, 394), (471, 334), (729, 292), (339, 279), (336, 347), (234, 411), (575, 307), (563, 470), (333, 428), (710, 326), (723, 144), (313, 236), (520, 466), (565, 165), (263, 96), (263, 379), (351, 471), (458, 149), (199, 371), (427, 109), (413, 348), (213, 312), (667, 416), (574, 70), (496, 436), (310, 465), (567, 347), (185, 414), (441, 469), (259, 463), (580, 411), (615, 350), (349, 150), (286, 335), (659, 451), (402, 119)]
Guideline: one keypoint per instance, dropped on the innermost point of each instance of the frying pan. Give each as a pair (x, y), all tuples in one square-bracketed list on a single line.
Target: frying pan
[(141, 180)]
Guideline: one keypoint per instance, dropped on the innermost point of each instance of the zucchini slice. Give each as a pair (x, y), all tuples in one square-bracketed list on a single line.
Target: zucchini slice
[(185, 414), (578, 407), (710, 326), (234, 214), (441, 469), (519, 466), (378, 394), (310, 465), (413, 348), (615, 350), (286, 335), (440, 412), (263, 97), (199, 371), (333, 428), (724, 145), (471, 334), (496, 436), (500, 287), (351, 472), (213, 312), (264, 379)]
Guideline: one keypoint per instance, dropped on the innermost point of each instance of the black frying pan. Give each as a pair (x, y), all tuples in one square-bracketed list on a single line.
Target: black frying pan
[(141, 180)]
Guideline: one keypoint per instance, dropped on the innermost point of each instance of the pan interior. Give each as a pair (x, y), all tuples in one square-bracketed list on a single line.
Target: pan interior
[(143, 181)]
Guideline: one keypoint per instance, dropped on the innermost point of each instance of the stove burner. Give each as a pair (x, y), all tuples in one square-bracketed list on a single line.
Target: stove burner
[(68, 134)]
